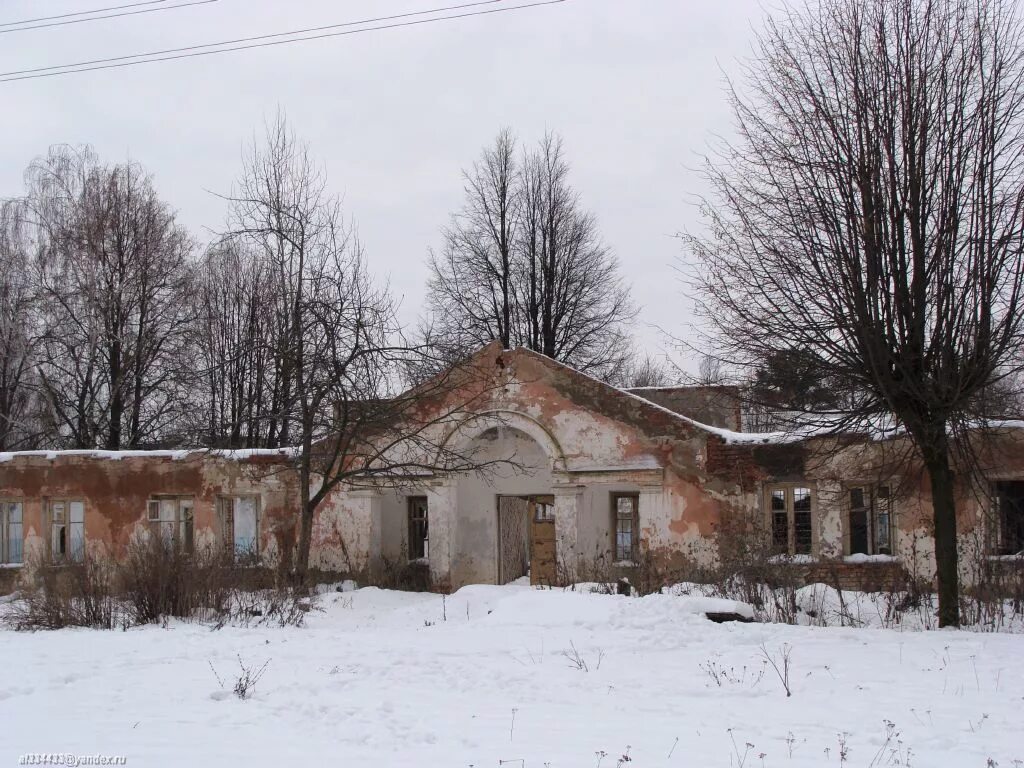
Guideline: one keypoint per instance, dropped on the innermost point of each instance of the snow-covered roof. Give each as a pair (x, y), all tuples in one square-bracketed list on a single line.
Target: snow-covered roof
[(730, 436), (241, 454)]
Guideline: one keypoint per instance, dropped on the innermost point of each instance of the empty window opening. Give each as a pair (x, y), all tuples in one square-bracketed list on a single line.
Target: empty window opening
[(11, 536), (239, 525), (67, 529), (544, 512), (1009, 523), (870, 521), (790, 510), (419, 531), (172, 518), (626, 525)]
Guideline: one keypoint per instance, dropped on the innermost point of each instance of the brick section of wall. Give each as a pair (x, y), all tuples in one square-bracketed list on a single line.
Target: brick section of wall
[(732, 462), (858, 577)]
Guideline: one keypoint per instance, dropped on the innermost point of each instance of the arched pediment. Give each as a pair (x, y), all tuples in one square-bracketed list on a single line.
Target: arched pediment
[(474, 426)]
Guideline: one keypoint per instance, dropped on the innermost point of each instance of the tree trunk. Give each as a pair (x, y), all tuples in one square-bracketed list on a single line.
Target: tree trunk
[(116, 400), (936, 458), (305, 530)]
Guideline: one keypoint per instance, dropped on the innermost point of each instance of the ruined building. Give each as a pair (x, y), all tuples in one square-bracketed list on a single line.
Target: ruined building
[(604, 480)]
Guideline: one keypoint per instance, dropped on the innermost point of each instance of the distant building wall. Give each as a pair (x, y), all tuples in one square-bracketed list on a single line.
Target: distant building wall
[(116, 493)]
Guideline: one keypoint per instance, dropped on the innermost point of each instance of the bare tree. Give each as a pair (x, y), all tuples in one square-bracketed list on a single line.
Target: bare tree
[(112, 279), (337, 350), (19, 424), (524, 264), (240, 359), (644, 371), (472, 280), (710, 371), (574, 304), (870, 212)]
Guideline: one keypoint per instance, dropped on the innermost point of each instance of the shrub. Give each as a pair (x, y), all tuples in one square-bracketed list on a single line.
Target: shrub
[(161, 579), (404, 575), (70, 595), (154, 581)]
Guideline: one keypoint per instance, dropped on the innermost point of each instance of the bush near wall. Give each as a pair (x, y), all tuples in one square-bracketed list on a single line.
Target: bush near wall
[(154, 582)]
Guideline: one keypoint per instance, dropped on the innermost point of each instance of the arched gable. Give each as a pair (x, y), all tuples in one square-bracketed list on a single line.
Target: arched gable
[(474, 426)]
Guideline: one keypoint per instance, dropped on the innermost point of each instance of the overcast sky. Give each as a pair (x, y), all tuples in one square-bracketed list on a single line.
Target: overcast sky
[(633, 86)]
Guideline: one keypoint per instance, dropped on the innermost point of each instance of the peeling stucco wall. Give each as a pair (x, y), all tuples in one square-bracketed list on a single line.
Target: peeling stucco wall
[(115, 493), (570, 437), (575, 439)]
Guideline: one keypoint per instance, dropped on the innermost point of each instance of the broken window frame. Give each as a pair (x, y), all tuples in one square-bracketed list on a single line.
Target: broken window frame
[(625, 528), (171, 517), (67, 546), (418, 528), (876, 505), (543, 511), (12, 536), (787, 517), (1007, 537), (226, 518)]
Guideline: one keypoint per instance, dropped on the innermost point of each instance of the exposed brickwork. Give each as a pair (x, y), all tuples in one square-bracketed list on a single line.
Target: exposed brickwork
[(859, 577), (732, 462)]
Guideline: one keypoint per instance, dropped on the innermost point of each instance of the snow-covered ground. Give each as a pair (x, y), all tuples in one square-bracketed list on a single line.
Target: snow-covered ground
[(482, 678)]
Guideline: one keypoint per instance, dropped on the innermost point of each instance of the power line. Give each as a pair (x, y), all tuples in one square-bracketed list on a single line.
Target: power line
[(66, 21), (307, 30), (79, 13), (192, 51)]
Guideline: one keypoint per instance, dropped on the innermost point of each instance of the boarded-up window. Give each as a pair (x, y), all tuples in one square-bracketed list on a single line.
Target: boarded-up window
[(172, 518), (626, 525), (791, 516), (419, 534), (11, 536), (67, 529), (1009, 529), (240, 525), (870, 521)]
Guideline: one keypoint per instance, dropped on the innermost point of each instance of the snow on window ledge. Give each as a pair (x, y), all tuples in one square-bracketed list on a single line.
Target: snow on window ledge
[(861, 559), (11, 565), (792, 559), (624, 564)]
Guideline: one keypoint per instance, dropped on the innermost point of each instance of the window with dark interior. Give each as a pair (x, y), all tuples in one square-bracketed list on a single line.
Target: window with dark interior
[(870, 521), (1009, 522), (419, 537), (626, 525), (789, 509)]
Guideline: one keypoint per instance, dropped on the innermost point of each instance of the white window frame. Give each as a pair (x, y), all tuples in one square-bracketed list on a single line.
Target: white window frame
[(226, 517), (74, 529), (170, 517)]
